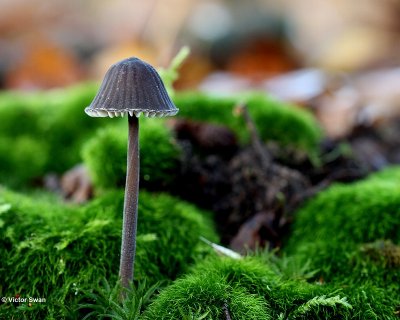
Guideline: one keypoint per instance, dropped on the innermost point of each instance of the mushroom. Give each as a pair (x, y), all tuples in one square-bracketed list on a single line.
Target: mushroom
[(131, 87)]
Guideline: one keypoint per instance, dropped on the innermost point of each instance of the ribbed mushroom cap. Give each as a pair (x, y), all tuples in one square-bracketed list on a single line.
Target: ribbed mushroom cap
[(132, 87)]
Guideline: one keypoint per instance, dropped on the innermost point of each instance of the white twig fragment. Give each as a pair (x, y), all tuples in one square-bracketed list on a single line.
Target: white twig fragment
[(222, 250)]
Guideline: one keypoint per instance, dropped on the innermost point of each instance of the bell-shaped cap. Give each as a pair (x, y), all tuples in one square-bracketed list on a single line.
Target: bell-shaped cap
[(132, 87)]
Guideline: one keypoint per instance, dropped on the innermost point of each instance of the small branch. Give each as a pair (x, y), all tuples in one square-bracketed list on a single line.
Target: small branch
[(256, 141)]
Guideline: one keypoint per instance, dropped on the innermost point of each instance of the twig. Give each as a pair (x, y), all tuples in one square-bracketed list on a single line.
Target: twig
[(256, 142), (222, 250)]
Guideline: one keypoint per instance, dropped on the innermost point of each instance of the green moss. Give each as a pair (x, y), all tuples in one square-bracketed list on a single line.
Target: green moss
[(219, 282), (169, 225), (288, 125), (390, 174), (19, 114), (55, 251), (371, 302), (338, 229), (66, 126), (56, 126), (105, 154), (383, 252), (206, 293), (160, 154), (103, 302), (21, 159), (23, 156)]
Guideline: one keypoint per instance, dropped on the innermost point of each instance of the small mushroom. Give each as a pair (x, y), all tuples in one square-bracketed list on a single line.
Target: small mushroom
[(131, 87)]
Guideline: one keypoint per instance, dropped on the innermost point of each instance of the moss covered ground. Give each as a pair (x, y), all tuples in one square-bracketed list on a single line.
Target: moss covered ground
[(218, 284), (341, 262), (341, 259), (352, 232), (43, 132), (58, 252)]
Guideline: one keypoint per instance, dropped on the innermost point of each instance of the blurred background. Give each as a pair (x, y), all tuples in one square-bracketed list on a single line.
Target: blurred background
[(334, 56)]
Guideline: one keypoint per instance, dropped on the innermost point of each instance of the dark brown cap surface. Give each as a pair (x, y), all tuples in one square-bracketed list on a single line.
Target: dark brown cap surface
[(132, 87)]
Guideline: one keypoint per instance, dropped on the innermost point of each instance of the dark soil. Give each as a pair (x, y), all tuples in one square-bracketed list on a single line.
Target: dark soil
[(254, 197)]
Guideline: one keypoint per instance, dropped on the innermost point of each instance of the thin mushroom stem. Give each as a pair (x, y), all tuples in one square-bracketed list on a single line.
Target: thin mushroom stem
[(128, 246)]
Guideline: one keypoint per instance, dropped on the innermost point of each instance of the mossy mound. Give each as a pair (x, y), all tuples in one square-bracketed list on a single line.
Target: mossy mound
[(67, 127), (105, 154), (54, 123), (288, 125), (56, 252), (20, 113), (390, 174), (22, 159), (249, 289), (350, 232), (212, 288)]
